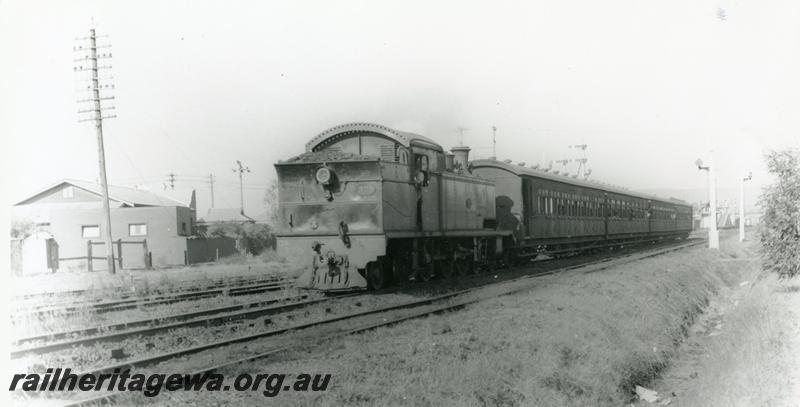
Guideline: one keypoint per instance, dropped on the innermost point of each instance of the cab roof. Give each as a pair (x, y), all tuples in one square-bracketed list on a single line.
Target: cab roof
[(404, 138)]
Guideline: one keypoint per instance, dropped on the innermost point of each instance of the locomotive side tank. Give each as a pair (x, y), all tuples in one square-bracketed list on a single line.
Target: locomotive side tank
[(367, 204)]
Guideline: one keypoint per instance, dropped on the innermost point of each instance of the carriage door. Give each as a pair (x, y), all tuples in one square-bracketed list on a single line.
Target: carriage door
[(421, 180), (427, 184), (527, 213), (606, 214)]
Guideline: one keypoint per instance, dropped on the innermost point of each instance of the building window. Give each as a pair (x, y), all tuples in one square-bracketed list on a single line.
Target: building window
[(90, 231), (68, 192), (137, 229)]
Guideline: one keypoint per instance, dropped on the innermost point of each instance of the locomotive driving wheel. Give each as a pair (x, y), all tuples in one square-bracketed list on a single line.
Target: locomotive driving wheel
[(375, 275), (400, 268), (463, 266), (445, 268), (426, 272)]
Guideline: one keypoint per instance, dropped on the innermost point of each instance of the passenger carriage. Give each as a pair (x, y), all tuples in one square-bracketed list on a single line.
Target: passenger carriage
[(555, 214)]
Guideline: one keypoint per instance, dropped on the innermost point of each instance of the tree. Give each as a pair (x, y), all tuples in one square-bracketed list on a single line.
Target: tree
[(780, 222), (271, 202), (252, 238)]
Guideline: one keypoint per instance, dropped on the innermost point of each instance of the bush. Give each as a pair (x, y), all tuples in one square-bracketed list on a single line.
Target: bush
[(20, 229), (780, 222), (251, 238)]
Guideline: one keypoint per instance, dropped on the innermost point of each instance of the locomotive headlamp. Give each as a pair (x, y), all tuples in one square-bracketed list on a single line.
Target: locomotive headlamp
[(324, 175)]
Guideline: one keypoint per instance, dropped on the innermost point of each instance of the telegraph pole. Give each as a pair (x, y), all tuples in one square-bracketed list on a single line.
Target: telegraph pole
[(494, 142), (171, 181), (211, 182), (96, 115), (241, 169), (741, 205)]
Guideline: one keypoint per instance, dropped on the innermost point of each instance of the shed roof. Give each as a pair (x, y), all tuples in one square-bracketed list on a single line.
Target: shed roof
[(124, 195), (402, 137), (226, 215)]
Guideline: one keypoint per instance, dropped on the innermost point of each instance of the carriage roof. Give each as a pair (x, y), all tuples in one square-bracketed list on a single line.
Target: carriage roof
[(521, 170)]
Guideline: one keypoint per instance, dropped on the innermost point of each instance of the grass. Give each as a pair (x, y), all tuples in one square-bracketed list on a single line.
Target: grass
[(102, 284), (575, 340), (746, 354)]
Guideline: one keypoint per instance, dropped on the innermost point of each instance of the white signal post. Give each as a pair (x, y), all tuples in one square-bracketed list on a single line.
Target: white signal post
[(741, 205), (713, 233)]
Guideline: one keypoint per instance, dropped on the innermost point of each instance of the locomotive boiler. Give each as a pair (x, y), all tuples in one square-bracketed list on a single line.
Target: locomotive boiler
[(367, 205)]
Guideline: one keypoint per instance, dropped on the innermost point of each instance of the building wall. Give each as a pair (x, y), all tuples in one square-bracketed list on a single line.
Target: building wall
[(166, 236)]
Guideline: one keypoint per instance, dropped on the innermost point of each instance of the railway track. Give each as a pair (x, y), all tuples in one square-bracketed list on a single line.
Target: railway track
[(361, 321), (24, 302), (131, 303), (153, 326)]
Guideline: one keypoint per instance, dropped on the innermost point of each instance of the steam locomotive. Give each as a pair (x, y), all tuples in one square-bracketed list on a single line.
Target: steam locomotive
[(367, 206)]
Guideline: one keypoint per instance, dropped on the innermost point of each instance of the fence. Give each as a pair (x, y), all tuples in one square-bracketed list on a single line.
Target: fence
[(201, 250), (138, 256)]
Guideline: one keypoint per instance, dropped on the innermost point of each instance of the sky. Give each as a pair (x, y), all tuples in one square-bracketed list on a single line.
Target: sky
[(649, 86)]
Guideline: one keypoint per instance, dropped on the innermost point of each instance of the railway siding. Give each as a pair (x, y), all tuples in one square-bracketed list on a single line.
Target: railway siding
[(573, 338), (267, 345)]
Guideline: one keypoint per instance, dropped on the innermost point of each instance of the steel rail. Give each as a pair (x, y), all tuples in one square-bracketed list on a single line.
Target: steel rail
[(128, 294), (211, 283), (244, 313), (151, 321), (117, 305)]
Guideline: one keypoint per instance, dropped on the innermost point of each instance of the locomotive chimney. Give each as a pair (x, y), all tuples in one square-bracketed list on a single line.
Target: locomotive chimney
[(448, 161), (461, 157)]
